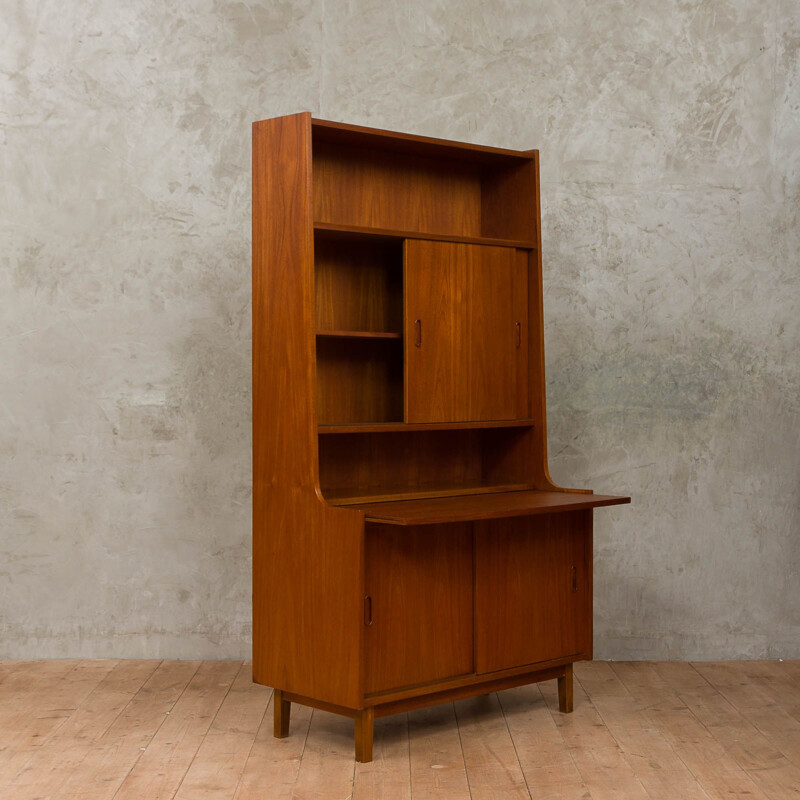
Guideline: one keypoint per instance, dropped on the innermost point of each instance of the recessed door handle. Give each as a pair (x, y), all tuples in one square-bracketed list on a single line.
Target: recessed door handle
[(519, 334), (574, 578), (368, 611), (418, 340)]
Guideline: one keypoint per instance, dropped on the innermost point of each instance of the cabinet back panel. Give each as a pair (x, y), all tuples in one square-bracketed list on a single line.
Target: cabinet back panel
[(359, 285), (359, 380), (353, 186), (422, 461), (380, 460), (509, 202)]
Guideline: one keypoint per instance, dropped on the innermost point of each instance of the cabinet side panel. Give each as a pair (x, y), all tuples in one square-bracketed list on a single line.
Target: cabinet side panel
[(307, 556), (537, 387)]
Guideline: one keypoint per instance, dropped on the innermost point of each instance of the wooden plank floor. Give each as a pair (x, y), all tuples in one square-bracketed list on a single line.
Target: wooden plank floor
[(150, 730)]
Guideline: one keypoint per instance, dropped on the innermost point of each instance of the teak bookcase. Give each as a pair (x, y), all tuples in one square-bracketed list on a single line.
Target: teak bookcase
[(409, 547)]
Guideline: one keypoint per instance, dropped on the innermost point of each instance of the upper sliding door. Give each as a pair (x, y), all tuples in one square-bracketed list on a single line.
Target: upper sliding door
[(465, 331)]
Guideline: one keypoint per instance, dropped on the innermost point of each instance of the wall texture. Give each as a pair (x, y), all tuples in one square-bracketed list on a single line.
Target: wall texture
[(670, 142)]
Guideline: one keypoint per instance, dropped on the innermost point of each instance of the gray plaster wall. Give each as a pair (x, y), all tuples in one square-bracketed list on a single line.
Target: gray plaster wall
[(670, 145)]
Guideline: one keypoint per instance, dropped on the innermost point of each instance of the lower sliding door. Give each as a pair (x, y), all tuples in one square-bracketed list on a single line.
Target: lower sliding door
[(533, 593), (418, 611)]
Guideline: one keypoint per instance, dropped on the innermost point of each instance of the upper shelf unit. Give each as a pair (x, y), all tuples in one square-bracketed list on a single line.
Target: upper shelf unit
[(416, 187)]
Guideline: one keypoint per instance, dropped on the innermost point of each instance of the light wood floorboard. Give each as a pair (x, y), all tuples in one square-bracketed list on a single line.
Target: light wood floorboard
[(113, 730)]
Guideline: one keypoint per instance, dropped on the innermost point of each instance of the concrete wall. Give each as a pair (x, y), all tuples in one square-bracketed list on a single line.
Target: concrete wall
[(670, 141)]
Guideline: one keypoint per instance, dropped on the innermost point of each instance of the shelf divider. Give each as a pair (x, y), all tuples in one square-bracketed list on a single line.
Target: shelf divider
[(348, 497), (360, 334), (395, 427), (335, 230)]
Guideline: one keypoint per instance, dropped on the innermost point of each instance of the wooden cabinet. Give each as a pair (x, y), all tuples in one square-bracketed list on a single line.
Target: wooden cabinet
[(466, 321), (409, 546)]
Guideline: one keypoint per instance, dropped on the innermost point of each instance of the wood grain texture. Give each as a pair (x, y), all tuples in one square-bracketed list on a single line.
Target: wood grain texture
[(397, 142), (709, 761), (399, 427), (489, 754), (545, 760), (361, 322), (388, 774), (220, 760), (359, 380), (482, 507), (359, 285), (419, 582), (405, 192), (659, 769), (565, 691), (459, 688), (392, 493), (462, 306), (646, 730), (436, 759), (30, 717), (162, 766), (508, 201), (45, 771), (274, 762), (446, 462), (532, 600), (769, 768), (112, 757), (598, 757), (307, 556), (359, 233)]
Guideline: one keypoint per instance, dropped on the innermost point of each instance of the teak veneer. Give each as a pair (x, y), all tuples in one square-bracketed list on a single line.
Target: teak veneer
[(409, 546)]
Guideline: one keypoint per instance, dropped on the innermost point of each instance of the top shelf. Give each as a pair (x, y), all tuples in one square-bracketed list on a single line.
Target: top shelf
[(330, 230), (378, 139)]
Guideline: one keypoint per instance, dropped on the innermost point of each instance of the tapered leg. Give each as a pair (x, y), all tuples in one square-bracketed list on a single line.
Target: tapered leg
[(281, 710), (565, 691), (365, 724)]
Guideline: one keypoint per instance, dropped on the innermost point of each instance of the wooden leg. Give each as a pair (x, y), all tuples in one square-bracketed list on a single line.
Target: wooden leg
[(365, 724), (565, 691), (282, 709)]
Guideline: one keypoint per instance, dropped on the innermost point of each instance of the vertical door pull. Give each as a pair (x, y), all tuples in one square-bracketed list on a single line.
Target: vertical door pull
[(574, 578), (368, 611), (418, 325), (519, 334)]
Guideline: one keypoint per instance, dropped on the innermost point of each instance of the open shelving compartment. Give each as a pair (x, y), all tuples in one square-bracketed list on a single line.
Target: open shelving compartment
[(393, 186), (359, 303), (381, 467)]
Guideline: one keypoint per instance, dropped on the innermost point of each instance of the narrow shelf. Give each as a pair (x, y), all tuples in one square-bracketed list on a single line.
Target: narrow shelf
[(486, 506), (336, 231), (360, 334), (386, 494), (394, 427)]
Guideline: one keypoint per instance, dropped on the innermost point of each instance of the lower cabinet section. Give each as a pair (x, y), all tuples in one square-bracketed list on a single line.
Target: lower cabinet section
[(533, 594), (462, 599), (418, 608)]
